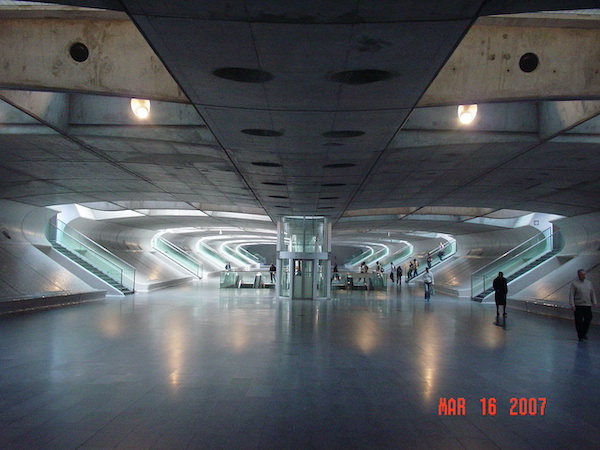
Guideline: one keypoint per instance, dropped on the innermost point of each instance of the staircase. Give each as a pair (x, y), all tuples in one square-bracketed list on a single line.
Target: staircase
[(87, 266), (519, 272)]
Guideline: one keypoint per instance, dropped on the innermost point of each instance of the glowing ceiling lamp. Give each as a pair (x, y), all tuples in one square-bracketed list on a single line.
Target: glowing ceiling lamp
[(141, 108), (467, 113)]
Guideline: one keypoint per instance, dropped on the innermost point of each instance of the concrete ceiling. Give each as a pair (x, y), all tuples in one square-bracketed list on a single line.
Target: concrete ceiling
[(343, 108)]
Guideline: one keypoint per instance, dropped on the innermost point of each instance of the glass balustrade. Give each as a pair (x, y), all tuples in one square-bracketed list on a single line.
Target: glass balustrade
[(92, 253), (257, 279), (357, 257), (179, 256), (516, 259), (437, 256), (211, 254), (356, 280), (252, 255)]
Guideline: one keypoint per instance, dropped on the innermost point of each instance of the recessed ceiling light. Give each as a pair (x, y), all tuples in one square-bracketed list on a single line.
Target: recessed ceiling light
[(266, 164), (140, 107), (243, 75), (467, 113), (361, 76), (338, 165), (262, 132), (343, 134)]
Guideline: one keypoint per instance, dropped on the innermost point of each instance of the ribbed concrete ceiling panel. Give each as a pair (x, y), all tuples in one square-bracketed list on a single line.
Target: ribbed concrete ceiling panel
[(308, 107)]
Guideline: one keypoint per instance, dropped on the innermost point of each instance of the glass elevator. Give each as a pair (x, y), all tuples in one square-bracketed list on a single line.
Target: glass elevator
[(303, 249)]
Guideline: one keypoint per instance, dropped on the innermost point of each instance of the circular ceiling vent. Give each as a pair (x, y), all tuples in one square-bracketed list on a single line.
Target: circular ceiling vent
[(361, 76), (328, 198), (273, 183), (79, 52), (343, 134), (243, 75), (262, 132), (278, 196), (338, 165), (333, 184), (265, 164), (529, 62)]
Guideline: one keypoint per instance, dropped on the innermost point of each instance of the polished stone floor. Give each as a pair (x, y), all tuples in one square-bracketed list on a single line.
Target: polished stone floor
[(197, 367)]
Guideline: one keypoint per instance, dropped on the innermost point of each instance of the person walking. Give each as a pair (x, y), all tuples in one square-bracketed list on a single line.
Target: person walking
[(392, 271), (399, 275), (409, 272), (416, 268), (581, 298), (441, 250), (272, 271), (363, 269), (427, 283), (500, 286)]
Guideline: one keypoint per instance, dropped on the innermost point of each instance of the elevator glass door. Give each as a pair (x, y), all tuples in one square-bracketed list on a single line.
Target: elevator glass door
[(303, 279)]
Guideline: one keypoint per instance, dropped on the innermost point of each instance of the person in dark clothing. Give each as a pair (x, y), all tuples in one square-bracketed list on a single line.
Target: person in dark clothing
[(501, 289), (581, 299), (399, 275)]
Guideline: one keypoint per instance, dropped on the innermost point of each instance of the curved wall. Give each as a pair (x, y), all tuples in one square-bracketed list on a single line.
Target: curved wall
[(475, 251), (133, 245), (27, 272), (581, 236)]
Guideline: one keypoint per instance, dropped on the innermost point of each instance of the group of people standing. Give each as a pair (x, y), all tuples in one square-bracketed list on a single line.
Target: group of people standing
[(411, 272)]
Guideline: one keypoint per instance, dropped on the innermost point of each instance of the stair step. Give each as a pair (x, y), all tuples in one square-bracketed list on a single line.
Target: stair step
[(520, 272), (90, 268)]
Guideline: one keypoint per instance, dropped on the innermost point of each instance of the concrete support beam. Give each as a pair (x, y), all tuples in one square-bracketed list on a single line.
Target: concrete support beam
[(558, 117), (36, 55), (50, 108), (485, 66), (412, 139)]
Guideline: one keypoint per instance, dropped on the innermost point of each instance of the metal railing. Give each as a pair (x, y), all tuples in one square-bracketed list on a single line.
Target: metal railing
[(241, 256), (253, 255), (178, 256), (211, 254), (436, 257), (355, 280), (401, 255), (246, 278), (92, 253), (515, 259), (357, 257)]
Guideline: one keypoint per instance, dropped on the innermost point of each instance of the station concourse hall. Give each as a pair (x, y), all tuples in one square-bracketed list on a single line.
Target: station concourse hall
[(201, 367), (278, 225)]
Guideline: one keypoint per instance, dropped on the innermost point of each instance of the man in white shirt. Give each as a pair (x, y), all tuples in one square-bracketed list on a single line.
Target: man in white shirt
[(427, 283), (581, 298)]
